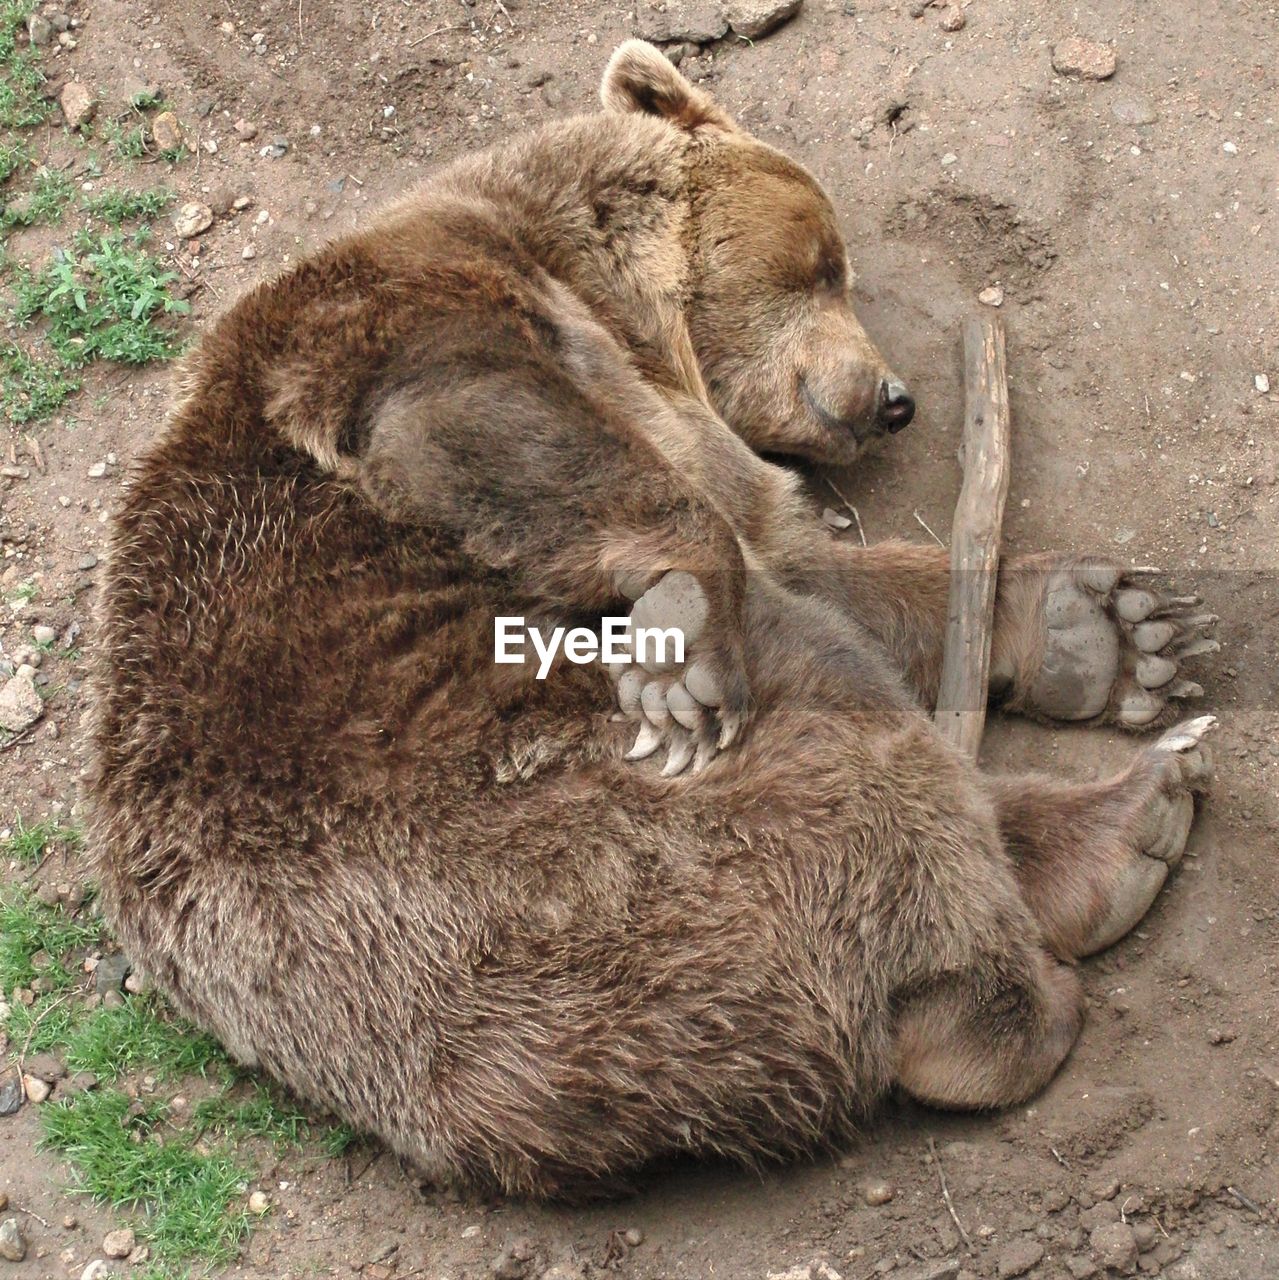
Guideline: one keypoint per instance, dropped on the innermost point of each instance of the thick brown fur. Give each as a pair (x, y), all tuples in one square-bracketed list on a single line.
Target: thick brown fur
[(425, 890)]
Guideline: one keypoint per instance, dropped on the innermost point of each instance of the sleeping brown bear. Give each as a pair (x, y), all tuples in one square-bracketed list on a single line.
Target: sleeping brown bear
[(429, 891)]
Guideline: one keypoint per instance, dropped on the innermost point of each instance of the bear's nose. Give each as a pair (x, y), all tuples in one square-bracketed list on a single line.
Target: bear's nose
[(896, 405)]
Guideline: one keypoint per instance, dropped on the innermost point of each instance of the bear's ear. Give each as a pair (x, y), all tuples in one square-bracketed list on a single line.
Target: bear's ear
[(641, 78)]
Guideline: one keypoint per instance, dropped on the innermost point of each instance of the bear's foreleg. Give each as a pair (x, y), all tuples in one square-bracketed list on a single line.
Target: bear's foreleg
[(1076, 638)]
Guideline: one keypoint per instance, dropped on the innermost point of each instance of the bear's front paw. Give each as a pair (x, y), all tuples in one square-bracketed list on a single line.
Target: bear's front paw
[(1091, 640), (696, 705)]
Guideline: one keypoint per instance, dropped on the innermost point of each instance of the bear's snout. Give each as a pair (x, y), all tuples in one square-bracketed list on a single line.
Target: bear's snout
[(896, 405), (858, 400)]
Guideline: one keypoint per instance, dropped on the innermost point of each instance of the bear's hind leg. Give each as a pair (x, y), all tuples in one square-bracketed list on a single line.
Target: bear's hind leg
[(1091, 858), (991, 1037)]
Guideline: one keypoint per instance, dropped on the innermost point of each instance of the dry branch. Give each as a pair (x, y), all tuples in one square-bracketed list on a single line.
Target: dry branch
[(975, 536)]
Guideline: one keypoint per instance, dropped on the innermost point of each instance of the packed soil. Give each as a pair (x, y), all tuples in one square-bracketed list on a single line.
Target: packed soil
[(1132, 225)]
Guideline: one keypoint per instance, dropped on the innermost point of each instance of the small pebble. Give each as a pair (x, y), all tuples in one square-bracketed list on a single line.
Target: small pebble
[(993, 296), (191, 219), (166, 132), (877, 1193), (119, 1244), (97, 471), (1134, 111), (1230, 149), (1114, 1246), (37, 1090), (1084, 59), (77, 103), (13, 1244), (952, 18), (1017, 1258), (948, 159), (259, 1202), (633, 1237), (248, 253), (516, 1261), (1262, 383)]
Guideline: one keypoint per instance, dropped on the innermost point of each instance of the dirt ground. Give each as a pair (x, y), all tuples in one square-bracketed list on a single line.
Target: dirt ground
[(1133, 226)]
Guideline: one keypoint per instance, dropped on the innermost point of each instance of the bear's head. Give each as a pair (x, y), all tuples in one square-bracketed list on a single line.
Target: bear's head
[(786, 361)]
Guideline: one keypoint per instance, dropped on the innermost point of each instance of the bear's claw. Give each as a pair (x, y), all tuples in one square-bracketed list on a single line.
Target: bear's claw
[(694, 709)]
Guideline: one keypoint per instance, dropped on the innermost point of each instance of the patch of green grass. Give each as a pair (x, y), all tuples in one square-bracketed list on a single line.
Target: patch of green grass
[(337, 1140), (116, 207), (27, 844), (44, 203), (265, 1114), (270, 1114), (43, 1026), (193, 1195), (105, 299), (36, 940), (22, 102), (140, 1033), (186, 1182)]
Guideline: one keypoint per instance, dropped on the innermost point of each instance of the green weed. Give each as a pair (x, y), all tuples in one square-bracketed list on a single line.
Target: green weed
[(116, 207), (128, 144), (103, 299), (44, 203), (43, 1026), (14, 155), (21, 101), (337, 1140), (32, 389)]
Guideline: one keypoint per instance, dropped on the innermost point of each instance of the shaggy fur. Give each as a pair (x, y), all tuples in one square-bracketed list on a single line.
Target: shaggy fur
[(426, 891)]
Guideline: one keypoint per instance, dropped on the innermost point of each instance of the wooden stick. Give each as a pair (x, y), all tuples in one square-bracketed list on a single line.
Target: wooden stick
[(945, 1194), (975, 537)]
